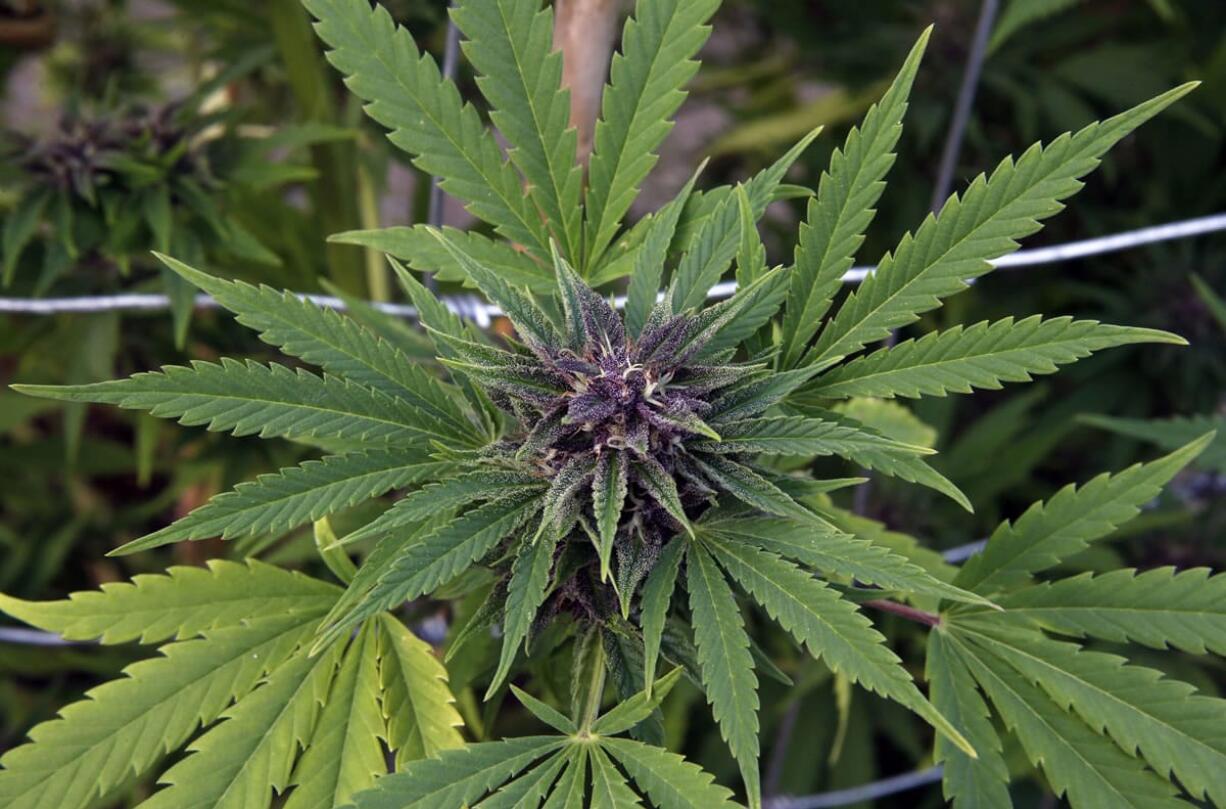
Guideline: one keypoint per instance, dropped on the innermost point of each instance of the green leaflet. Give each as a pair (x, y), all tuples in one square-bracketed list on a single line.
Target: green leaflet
[(433, 498), (609, 787), (801, 436), (1088, 767), (1019, 14), (406, 93), (980, 356), (727, 665), (248, 398), (417, 704), (650, 256), (339, 345), (830, 626), (435, 559), (420, 250), (344, 755), (296, 495), (842, 210), (123, 727), (571, 788), (525, 594), (969, 783), (609, 485), (456, 777), (185, 602), (670, 781), (242, 760), (1159, 608), (832, 551), (510, 43), (956, 245), (1175, 729), (753, 489), (1069, 521), (717, 240), (658, 44), (528, 789), (657, 594), (637, 708), (533, 324), (908, 467)]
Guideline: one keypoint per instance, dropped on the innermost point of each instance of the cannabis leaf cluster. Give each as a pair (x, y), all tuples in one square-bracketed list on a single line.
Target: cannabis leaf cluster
[(575, 478)]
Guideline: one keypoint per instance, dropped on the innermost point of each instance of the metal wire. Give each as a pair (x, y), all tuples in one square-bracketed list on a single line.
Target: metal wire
[(480, 312), (33, 637), (865, 792)]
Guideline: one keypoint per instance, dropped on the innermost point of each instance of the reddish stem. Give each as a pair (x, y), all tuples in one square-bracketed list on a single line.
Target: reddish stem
[(910, 613)]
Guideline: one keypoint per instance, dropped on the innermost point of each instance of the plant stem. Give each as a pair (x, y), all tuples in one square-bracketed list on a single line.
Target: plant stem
[(591, 707), (910, 613)]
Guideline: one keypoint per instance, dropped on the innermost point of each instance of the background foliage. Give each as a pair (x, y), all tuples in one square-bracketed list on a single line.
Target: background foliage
[(276, 156)]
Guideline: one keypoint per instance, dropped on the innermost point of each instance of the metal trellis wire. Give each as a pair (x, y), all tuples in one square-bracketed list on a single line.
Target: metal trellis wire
[(480, 312), (864, 792)]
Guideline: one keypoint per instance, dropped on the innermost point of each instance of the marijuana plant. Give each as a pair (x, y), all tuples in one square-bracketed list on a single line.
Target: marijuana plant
[(573, 478)]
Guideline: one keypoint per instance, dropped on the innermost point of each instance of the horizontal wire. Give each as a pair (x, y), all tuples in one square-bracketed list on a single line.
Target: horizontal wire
[(473, 308), (865, 792)]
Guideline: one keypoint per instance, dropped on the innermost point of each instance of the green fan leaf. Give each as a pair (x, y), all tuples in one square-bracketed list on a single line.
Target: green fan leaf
[(436, 558), (510, 43), (658, 45), (609, 487), (533, 324), (242, 760), (339, 345), (546, 713), (427, 118), (980, 356), (1159, 608), (1079, 762), (957, 244), (571, 788), (834, 552), (969, 783), (525, 593), (832, 628), (248, 398), (528, 789), (1176, 730), (752, 488), (297, 495), (417, 247), (344, 755), (906, 466), (670, 780), (629, 713), (446, 494), (456, 778), (124, 727), (1069, 522), (838, 216), (183, 603), (727, 665), (793, 435), (609, 787), (657, 594), (417, 704), (650, 257), (717, 240)]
